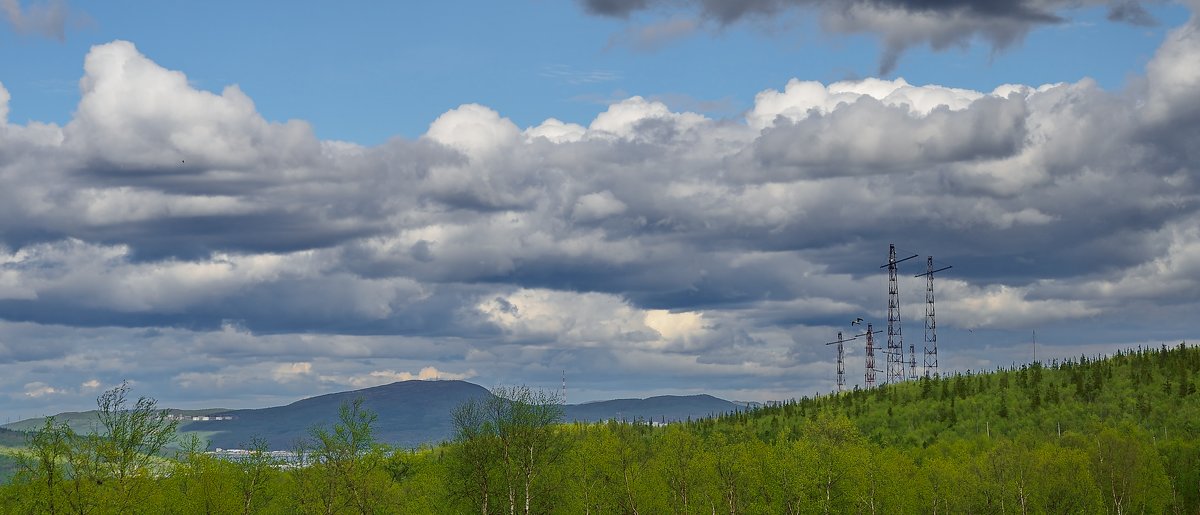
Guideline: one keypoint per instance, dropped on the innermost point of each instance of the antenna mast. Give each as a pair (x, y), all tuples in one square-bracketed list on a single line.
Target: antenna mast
[(895, 343), (869, 373), (841, 363), (931, 352), (912, 360)]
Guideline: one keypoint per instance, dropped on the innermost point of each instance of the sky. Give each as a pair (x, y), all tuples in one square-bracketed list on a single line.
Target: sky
[(241, 205)]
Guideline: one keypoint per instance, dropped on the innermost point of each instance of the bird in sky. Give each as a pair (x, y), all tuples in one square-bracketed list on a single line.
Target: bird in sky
[(856, 321)]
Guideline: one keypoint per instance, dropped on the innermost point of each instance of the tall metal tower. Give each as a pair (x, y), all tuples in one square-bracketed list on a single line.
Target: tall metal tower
[(895, 343), (869, 373), (931, 352), (841, 363)]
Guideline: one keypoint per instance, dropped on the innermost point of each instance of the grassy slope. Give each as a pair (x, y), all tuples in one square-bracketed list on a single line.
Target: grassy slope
[(84, 422)]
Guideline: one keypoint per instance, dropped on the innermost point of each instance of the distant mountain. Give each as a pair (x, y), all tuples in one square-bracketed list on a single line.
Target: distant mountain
[(410, 413), (662, 408), (84, 422)]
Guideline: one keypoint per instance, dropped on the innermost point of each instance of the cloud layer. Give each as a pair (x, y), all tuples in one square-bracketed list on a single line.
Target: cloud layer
[(49, 18), (900, 24), (175, 237)]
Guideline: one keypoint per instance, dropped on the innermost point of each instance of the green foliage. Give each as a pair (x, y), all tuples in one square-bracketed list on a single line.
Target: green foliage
[(114, 471), (1078, 436), (681, 466), (507, 446)]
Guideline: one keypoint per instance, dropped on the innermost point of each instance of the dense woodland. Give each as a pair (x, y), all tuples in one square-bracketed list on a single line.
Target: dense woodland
[(1086, 435)]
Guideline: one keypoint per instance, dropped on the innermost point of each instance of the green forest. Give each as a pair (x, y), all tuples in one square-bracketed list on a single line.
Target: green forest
[(1115, 434)]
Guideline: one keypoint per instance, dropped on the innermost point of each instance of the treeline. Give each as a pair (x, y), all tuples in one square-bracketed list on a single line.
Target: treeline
[(1111, 435)]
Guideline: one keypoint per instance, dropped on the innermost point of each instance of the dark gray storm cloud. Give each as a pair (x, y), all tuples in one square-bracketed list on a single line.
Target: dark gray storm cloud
[(728, 12), (900, 24), (1130, 11)]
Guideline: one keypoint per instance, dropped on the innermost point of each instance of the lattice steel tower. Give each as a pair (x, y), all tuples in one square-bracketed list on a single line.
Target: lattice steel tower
[(841, 363), (869, 373), (895, 343), (931, 351), (912, 360)]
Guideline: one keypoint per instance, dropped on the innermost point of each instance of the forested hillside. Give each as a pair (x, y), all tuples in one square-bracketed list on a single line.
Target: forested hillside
[(1153, 390), (1115, 435), (1078, 435), (9, 441)]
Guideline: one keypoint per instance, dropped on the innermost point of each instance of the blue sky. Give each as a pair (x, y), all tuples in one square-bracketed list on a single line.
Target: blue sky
[(244, 204)]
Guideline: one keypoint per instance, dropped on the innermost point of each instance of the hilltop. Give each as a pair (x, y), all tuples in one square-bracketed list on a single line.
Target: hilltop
[(1151, 389), (1125, 430), (411, 413), (84, 422), (663, 408)]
